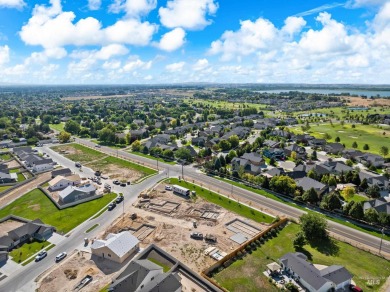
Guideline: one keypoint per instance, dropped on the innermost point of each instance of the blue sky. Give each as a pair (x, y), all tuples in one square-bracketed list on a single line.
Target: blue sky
[(160, 41)]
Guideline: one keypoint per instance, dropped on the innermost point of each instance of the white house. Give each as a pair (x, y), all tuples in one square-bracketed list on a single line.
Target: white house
[(42, 165), (61, 182), (314, 280), (116, 247)]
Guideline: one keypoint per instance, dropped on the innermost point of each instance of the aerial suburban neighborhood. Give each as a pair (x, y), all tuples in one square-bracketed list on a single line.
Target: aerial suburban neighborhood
[(161, 189)]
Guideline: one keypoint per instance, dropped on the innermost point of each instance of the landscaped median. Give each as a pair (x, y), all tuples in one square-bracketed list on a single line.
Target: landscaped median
[(35, 205), (224, 202)]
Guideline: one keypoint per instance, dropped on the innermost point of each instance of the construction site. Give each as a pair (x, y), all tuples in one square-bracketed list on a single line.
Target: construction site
[(193, 230)]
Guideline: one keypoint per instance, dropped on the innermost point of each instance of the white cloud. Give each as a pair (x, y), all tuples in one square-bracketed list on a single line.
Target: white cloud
[(133, 8), (175, 67), (201, 64), (111, 65), (172, 40), (105, 53), (362, 3), (136, 63), (12, 3), (46, 22), (148, 77), (4, 55), (188, 14), (94, 4), (293, 25)]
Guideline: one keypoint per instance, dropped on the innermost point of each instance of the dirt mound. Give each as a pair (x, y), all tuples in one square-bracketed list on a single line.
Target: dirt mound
[(71, 274)]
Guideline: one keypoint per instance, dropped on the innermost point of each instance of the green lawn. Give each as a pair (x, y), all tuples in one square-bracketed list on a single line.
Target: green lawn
[(14, 170), (35, 205), (152, 157), (166, 268), (224, 202), (58, 127), (4, 188), (5, 156), (21, 177), (358, 198), (273, 197), (92, 228), (361, 134), (246, 274), (26, 250), (79, 152)]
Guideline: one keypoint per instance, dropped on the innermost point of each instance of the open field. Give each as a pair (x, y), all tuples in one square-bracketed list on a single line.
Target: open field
[(361, 134), (227, 104), (152, 157), (224, 202), (113, 167), (340, 112), (35, 205), (57, 127), (358, 101), (26, 250), (4, 188), (77, 152), (246, 274)]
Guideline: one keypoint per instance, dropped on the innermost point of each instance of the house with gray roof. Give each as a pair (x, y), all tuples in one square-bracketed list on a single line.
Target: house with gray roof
[(6, 177), (332, 278), (334, 148), (371, 159), (116, 247), (75, 193), (62, 172), (307, 183), (299, 150), (252, 163), (380, 205)]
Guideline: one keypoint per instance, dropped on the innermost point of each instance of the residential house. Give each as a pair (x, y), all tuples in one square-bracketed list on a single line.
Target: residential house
[(42, 165), (198, 141), (331, 278), (296, 174), (375, 179), (317, 142), (6, 177), (252, 163), (75, 193), (139, 122), (62, 172), (138, 134), (351, 153), (333, 148), (274, 172), (61, 182), (306, 183), (380, 205), (271, 143), (161, 139), (277, 154), (299, 150), (371, 159), (116, 247)]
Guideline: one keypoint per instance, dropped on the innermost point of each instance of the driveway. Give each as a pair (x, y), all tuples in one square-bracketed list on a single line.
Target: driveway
[(287, 165)]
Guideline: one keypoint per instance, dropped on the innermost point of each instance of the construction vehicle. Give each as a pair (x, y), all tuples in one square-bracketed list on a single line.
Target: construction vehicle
[(133, 216)]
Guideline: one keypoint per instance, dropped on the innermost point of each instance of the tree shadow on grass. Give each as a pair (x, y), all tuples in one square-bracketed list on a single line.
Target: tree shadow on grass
[(327, 246)]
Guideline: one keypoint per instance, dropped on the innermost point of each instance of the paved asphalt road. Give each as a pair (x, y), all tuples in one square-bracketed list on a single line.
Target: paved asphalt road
[(22, 280)]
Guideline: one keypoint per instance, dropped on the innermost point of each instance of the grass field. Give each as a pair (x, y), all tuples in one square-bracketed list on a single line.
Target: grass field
[(80, 153), (152, 157), (246, 274), (35, 205), (226, 104), (225, 202), (357, 198), (57, 127), (21, 177), (4, 188), (5, 156), (26, 250), (362, 134), (339, 112)]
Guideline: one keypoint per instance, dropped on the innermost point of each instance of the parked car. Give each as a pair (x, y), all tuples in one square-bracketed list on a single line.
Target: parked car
[(61, 256), (78, 164), (119, 199), (42, 254), (116, 182), (123, 184), (104, 177), (168, 188), (355, 288), (98, 146), (129, 182), (107, 186), (111, 206), (98, 173), (197, 235)]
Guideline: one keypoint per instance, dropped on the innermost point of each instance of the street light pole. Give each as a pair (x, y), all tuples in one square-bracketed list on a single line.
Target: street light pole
[(157, 162), (182, 170), (380, 246)]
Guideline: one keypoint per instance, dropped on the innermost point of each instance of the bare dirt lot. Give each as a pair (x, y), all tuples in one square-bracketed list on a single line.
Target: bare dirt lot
[(8, 226), (171, 226), (65, 275), (358, 101), (13, 163), (114, 171)]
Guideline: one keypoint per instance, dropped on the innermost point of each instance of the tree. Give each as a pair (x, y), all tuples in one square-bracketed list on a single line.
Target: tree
[(293, 155), (354, 144), (72, 127), (332, 181), (106, 135), (366, 147), (64, 136), (168, 153), (283, 184), (299, 240), (332, 201), (313, 155), (373, 191), (314, 227), (310, 196), (234, 141), (217, 164), (348, 193), (357, 211), (337, 139), (272, 161), (363, 185), (371, 215), (136, 146), (312, 174), (384, 151), (145, 150), (225, 145), (184, 154), (223, 161)]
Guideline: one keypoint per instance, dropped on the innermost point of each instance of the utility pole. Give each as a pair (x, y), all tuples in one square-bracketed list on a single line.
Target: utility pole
[(157, 162), (182, 169), (231, 192), (380, 246)]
